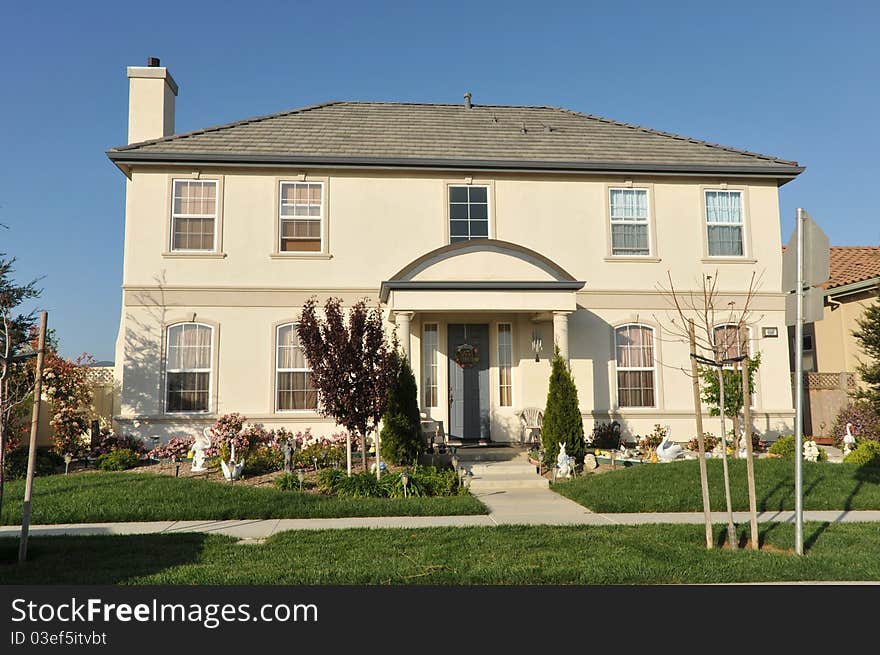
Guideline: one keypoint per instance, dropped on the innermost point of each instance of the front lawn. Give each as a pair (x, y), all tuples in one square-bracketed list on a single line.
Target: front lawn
[(645, 554), (100, 497), (675, 487)]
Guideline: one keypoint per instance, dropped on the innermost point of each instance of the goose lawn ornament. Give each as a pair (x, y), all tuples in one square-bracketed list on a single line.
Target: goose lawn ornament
[(668, 450), (563, 464), (849, 440), (200, 445), (232, 470)]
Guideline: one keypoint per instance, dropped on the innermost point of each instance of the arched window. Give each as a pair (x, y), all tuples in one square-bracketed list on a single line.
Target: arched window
[(634, 345), (188, 359), (294, 391), (731, 342)]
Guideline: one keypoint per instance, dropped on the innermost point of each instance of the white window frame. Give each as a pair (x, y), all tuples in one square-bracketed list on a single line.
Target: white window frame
[(741, 224), (175, 216), (646, 222), (279, 370), (500, 385), (433, 365), (280, 218), (449, 203), (209, 370), (618, 368), (754, 395)]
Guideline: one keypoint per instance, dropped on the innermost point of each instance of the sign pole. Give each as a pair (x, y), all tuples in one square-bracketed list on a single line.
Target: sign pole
[(799, 392), (32, 450)]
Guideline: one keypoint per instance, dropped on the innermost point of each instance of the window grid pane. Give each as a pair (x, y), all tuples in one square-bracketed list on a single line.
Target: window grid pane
[(293, 378), (429, 365), (468, 213), (188, 368), (629, 222), (634, 345), (193, 214), (505, 365), (300, 216), (724, 223)]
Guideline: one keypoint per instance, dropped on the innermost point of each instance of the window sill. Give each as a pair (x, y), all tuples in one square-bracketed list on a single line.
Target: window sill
[(300, 255), (194, 255), (729, 260), (632, 258)]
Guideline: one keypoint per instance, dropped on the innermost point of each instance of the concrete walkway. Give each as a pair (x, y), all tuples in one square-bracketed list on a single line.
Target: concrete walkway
[(535, 507)]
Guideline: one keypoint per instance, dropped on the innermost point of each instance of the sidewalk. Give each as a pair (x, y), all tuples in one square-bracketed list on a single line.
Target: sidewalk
[(527, 507)]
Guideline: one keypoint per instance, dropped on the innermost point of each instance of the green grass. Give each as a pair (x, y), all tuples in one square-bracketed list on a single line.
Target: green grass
[(100, 497), (644, 554), (675, 487)]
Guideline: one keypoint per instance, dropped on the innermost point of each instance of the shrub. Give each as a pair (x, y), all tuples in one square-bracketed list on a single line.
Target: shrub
[(401, 436), (47, 462), (864, 417), (118, 460), (784, 447), (264, 460), (434, 481), (866, 453), (290, 482), (329, 479), (177, 448), (651, 441), (110, 441), (606, 436), (360, 485), (562, 416), (709, 442)]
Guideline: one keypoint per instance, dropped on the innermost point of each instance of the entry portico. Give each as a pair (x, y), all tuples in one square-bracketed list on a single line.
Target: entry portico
[(469, 306)]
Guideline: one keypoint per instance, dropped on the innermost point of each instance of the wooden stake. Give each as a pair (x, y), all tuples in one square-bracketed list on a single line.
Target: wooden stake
[(750, 465), (698, 413), (32, 449)]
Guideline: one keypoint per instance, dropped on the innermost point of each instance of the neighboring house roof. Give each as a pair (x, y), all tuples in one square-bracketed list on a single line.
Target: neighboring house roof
[(852, 264), (450, 136)]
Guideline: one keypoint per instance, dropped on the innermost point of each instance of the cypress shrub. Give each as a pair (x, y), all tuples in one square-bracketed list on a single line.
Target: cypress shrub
[(401, 436), (562, 416)]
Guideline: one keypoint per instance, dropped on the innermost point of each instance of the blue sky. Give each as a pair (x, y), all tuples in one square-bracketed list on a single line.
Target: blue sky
[(797, 80)]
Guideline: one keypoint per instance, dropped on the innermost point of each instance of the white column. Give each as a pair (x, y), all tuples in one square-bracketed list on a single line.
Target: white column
[(403, 321), (560, 332)]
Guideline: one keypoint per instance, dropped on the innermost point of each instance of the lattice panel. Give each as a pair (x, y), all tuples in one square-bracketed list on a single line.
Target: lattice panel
[(843, 380), (101, 375)]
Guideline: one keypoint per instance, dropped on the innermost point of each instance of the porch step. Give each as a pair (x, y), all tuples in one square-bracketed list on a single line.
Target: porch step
[(513, 471)]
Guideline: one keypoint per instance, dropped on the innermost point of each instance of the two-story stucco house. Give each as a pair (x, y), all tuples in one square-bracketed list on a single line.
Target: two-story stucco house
[(484, 231)]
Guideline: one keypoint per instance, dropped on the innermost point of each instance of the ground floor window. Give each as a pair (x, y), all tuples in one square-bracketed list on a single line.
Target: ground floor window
[(635, 365), (188, 368), (294, 390)]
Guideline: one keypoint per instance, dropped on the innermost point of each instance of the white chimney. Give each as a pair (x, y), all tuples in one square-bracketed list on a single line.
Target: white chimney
[(151, 93)]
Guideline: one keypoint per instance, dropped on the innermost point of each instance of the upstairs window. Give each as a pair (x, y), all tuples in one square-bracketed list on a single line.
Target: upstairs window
[(635, 365), (301, 216), (468, 213), (188, 368), (629, 222), (194, 215), (724, 223)]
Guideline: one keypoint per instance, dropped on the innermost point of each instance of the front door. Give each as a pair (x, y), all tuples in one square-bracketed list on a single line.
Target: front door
[(468, 381)]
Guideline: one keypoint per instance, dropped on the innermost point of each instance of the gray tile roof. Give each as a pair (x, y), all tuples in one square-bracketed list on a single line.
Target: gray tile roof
[(438, 135)]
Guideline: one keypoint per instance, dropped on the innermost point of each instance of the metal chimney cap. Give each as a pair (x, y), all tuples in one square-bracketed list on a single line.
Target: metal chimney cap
[(467, 100), (153, 62)]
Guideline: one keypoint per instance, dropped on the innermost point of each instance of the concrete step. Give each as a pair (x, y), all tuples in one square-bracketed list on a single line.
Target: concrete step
[(482, 484), (517, 475), (498, 467), (488, 454)]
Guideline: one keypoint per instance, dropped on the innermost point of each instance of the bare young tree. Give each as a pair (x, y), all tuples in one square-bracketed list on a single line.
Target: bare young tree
[(717, 325)]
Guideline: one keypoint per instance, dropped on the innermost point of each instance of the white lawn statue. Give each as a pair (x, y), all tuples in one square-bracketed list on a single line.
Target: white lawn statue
[(668, 450), (811, 450), (563, 464), (232, 469), (849, 440), (200, 445)]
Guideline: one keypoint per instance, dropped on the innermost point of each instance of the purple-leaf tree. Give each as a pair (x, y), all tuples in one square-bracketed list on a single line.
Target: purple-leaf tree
[(353, 365)]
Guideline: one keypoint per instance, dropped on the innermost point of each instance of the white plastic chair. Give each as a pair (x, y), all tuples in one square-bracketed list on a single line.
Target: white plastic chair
[(530, 420)]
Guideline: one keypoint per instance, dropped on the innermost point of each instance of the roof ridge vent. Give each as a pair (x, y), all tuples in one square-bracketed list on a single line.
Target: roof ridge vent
[(523, 130)]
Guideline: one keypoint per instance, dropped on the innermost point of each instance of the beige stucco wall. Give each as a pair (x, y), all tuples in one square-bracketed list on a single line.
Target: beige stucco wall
[(836, 348), (380, 221)]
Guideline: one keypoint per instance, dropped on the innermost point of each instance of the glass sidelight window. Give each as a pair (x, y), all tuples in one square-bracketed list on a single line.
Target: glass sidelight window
[(505, 365), (429, 365)]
